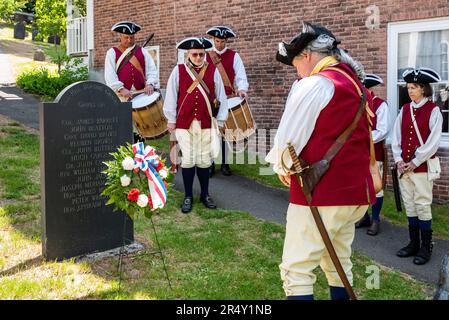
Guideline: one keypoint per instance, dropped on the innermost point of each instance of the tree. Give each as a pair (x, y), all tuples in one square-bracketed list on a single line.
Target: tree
[(51, 20), (8, 7), (79, 8)]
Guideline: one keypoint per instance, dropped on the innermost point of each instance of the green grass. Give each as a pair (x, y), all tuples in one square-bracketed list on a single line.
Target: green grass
[(210, 254)]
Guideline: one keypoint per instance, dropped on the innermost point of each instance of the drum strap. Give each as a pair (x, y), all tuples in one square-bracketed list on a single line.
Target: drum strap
[(217, 62), (129, 57)]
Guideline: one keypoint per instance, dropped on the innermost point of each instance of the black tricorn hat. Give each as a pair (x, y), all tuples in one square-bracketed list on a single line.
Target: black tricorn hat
[(195, 43), (372, 80), (221, 32), (126, 27), (288, 51), (421, 75)]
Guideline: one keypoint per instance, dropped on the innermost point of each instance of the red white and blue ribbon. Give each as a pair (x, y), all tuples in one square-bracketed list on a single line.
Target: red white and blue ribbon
[(148, 161)]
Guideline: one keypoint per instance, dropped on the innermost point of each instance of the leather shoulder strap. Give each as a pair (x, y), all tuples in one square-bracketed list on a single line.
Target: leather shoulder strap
[(199, 78), (217, 62), (338, 144)]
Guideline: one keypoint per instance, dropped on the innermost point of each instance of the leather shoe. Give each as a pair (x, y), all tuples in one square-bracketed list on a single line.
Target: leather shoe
[(187, 205), (226, 170), (364, 222), (373, 230), (208, 202)]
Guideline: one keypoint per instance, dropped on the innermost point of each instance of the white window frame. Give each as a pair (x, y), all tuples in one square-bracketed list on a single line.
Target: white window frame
[(158, 57), (394, 29)]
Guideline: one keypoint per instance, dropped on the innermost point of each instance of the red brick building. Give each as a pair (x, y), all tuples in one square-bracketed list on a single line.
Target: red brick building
[(385, 35)]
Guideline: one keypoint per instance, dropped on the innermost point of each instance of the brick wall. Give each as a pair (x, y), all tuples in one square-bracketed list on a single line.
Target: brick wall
[(260, 25)]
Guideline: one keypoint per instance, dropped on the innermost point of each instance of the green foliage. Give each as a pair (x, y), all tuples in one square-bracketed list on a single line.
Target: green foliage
[(8, 7), (79, 8), (51, 17), (48, 84), (118, 194)]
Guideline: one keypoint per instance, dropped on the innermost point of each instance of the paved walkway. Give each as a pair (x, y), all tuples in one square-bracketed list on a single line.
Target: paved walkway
[(6, 74), (239, 193)]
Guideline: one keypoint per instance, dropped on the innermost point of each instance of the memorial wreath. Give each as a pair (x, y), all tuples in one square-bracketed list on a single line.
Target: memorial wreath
[(137, 180)]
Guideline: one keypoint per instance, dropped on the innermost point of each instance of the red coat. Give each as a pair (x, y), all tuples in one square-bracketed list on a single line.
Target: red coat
[(227, 60), (128, 74), (193, 106), (348, 180), (409, 139)]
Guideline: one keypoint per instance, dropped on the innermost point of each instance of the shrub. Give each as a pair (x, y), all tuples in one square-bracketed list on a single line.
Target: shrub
[(48, 83)]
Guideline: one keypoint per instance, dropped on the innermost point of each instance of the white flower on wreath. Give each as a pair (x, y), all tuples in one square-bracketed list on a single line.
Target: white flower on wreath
[(128, 163), (125, 180), (163, 173), (142, 201)]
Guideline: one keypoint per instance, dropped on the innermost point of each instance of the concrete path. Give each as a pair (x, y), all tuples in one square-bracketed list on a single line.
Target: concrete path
[(6, 74), (266, 203), (19, 106)]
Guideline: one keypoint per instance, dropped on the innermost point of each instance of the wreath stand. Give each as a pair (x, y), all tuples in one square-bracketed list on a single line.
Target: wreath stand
[(159, 251)]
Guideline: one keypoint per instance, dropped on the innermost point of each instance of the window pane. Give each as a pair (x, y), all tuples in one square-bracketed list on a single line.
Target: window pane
[(441, 98), (424, 49)]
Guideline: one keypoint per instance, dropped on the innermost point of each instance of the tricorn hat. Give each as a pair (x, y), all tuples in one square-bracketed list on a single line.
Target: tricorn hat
[(421, 75), (372, 80), (288, 51), (221, 32), (195, 43), (126, 27)]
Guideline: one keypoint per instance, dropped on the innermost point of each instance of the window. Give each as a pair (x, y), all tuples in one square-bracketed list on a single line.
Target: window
[(414, 45), (154, 53)]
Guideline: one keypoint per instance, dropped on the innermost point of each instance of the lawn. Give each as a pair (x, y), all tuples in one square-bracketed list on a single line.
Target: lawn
[(20, 52), (263, 173), (210, 254)]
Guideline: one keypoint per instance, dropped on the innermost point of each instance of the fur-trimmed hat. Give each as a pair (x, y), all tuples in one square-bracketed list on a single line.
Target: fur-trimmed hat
[(287, 52)]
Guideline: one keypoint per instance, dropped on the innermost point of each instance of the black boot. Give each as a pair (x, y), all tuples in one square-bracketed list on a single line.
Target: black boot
[(413, 247), (212, 170), (208, 202), (364, 222), (424, 253), (373, 230), (187, 205), (226, 170)]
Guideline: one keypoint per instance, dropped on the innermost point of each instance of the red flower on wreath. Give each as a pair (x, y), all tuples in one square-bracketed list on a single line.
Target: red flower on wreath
[(133, 194)]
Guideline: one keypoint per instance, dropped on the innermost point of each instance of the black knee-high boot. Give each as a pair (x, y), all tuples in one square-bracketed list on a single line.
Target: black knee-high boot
[(188, 174), (203, 177), (225, 169)]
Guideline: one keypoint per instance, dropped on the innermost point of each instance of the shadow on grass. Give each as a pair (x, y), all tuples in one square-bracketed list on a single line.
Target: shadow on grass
[(25, 265)]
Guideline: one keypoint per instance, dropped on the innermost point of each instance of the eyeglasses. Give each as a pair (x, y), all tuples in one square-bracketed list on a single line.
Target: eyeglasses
[(198, 54)]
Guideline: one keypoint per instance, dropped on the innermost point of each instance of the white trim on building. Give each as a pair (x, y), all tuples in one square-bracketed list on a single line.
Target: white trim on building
[(394, 30)]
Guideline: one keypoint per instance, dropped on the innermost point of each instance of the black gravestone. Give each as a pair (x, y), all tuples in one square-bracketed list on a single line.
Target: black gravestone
[(86, 122), (19, 31), (54, 39), (34, 33)]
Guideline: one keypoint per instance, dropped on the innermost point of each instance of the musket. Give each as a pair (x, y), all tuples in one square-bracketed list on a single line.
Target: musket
[(396, 190), (319, 222), (148, 40)]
